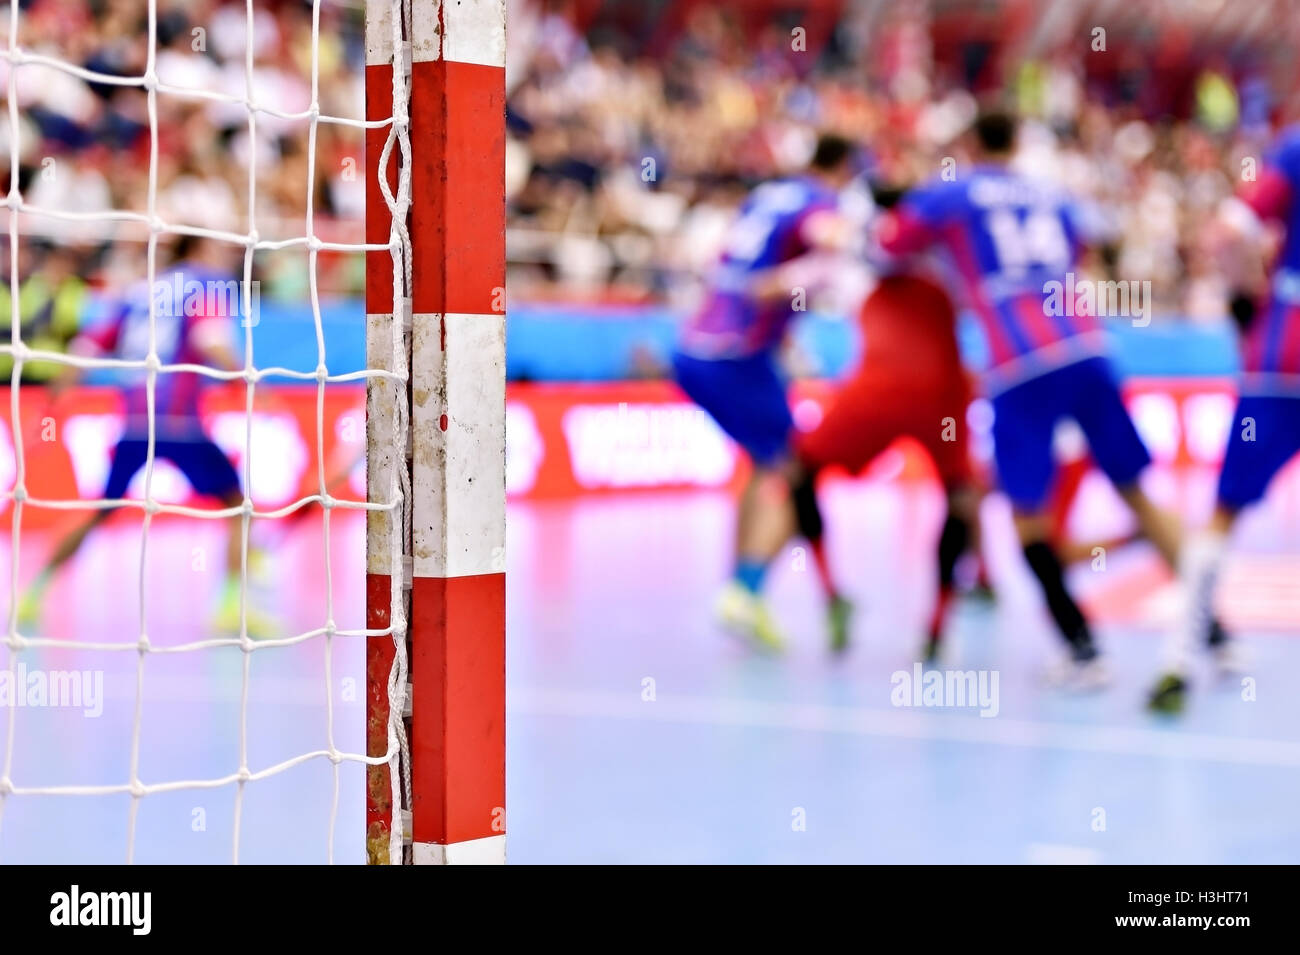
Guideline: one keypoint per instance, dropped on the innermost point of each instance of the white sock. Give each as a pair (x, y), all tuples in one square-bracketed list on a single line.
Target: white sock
[(1198, 574)]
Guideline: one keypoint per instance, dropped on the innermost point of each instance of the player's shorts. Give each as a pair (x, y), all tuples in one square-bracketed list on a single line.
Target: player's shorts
[(745, 396), (1025, 417), (1258, 447), (204, 465), (871, 412)]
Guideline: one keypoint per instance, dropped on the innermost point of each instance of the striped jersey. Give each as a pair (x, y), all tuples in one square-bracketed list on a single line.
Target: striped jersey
[(1013, 244), (190, 302), (1271, 354), (732, 323)]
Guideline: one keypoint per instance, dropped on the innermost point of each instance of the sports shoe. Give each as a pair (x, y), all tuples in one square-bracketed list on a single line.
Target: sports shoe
[(1169, 695), (744, 614), (261, 626), (838, 616), (30, 606)]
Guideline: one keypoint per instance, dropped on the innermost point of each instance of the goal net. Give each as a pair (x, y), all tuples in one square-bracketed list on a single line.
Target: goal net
[(253, 457)]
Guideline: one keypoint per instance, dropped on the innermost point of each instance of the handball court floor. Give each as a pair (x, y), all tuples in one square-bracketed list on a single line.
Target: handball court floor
[(637, 732)]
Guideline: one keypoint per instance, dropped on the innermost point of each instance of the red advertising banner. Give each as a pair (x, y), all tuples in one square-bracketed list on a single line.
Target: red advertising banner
[(564, 440), (569, 440), (68, 445)]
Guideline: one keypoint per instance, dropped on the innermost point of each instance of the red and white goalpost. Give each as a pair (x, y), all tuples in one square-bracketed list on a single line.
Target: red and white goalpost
[(435, 566), (435, 503)]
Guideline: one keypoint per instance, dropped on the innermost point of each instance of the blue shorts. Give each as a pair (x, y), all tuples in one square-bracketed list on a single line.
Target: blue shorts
[(1265, 435), (204, 465), (745, 396), (1024, 423)]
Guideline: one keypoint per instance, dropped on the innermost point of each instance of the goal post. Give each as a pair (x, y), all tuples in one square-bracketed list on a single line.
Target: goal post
[(436, 432)]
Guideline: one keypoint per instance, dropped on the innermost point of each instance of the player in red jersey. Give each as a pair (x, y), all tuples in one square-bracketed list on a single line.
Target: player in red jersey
[(910, 382)]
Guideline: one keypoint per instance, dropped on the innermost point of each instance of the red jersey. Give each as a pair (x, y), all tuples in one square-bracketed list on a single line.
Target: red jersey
[(909, 334)]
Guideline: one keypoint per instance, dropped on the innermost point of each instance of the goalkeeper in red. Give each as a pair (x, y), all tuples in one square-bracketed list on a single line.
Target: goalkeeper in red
[(910, 382)]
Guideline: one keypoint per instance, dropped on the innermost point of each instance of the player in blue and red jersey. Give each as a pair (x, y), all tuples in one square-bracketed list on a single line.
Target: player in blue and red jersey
[(1014, 242), (196, 303), (1265, 431), (726, 358)]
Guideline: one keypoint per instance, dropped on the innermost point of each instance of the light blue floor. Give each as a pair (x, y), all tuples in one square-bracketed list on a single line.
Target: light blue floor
[(726, 761), (734, 750)]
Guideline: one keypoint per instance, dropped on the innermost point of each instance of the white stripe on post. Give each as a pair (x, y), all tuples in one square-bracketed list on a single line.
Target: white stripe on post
[(473, 31), (487, 851), (458, 389), (379, 37), (382, 448)]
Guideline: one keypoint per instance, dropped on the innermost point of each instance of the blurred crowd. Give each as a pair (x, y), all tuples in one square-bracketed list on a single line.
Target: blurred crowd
[(633, 135), (625, 165), (84, 146)]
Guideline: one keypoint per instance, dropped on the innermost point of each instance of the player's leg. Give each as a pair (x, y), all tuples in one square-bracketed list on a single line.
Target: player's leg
[(1025, 418), (811, 527), (860, 424), (764, 520), (747, 399), (810, 524), (211, 474), (1265, 435), (127, 458), (1119, 452), (940, 425), (956, 539)]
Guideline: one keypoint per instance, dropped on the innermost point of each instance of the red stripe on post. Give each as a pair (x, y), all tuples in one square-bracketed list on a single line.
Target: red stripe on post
[(458, 225), (458, 733), (379, 663), (379, 265)]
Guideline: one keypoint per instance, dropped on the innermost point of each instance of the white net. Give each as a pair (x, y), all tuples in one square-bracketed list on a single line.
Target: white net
[(34, 65)]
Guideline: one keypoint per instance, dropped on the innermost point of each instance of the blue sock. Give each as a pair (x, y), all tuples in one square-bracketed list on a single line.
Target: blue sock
[(749, 573)]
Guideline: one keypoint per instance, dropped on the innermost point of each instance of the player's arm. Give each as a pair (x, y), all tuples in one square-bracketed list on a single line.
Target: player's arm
[(211, 338), (822, 232), (92, 343), (913, 220), (1242, 238)]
